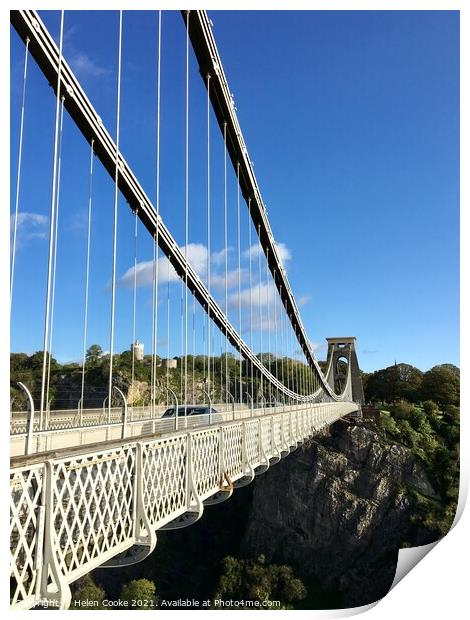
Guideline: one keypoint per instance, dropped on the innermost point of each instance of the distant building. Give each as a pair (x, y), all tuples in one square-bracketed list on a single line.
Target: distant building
[(169, 363), (138, 350)]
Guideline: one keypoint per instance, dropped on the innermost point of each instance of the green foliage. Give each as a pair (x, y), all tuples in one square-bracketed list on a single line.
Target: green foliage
[(256, 580), (93, 354), (434, 438), (400, 381), (140, 594), (442, 385), (86, 592), (388, 425)]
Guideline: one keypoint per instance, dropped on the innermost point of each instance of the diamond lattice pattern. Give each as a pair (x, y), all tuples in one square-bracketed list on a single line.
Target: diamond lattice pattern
[(205, 457), (164, 478), (26, 487), (232, 446), (93, 498)]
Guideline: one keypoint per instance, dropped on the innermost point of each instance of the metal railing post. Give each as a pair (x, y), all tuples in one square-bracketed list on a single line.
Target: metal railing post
[(30, 420), (170, 391), (124, 412), (104, 408), (233, 403), (251, 403), (210, 405), (80, 412)]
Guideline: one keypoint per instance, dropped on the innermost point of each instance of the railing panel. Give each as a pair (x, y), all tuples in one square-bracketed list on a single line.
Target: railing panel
[(266, 436), (232, 450), (164, 478), (93, 498), (252, 442), (26, 534), (277, 425), (286, 427), (205, 457)]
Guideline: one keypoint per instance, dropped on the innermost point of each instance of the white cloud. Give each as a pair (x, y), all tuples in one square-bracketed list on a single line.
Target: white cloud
[(29, 226), (218, 279), (197, 257), (318, 347), (283, 253), (303, 299), (218, 258), (258, 295), (261, 295), (255, 250), (85, 66)]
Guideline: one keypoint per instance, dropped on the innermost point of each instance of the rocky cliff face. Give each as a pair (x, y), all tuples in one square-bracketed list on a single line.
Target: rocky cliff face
[(338, 511)]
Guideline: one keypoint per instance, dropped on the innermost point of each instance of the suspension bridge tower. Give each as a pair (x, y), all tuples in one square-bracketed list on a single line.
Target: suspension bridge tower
[(344, 350)]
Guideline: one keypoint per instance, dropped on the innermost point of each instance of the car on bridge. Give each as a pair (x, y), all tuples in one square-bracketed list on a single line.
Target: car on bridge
[(272, 403), (202, 412)]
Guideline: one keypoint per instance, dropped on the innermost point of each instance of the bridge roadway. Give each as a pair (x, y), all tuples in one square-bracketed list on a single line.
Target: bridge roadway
[(67, 428), (76, 508)]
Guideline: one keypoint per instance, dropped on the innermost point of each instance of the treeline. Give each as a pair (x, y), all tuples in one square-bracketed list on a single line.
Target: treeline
[(65, 380), (248, 583), (441, 384)]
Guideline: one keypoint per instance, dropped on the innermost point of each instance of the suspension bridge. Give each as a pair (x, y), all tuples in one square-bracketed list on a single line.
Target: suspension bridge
[(95, 475)]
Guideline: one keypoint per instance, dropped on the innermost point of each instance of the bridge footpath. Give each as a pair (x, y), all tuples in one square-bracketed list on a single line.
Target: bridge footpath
[(76, 508)]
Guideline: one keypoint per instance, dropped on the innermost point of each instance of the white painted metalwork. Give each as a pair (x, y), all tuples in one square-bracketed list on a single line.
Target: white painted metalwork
[(75, 512)]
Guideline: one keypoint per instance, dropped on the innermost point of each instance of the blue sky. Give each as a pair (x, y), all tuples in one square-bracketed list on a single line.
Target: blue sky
[(352, 121)]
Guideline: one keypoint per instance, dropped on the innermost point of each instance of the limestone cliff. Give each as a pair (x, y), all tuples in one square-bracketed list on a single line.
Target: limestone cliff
[(338, 511)]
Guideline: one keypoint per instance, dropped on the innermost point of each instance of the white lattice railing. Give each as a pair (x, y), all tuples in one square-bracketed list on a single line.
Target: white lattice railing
[(72, 514), (64, 419)]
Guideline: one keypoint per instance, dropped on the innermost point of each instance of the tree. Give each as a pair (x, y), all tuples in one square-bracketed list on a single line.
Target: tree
[(37, 359), (432, 413), (256, 580), (140, 594), (442, 385), (93, 354), (397, 382), (87, 591), (18, 361)]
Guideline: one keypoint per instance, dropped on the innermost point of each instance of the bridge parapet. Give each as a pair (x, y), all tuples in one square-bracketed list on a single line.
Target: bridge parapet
[(76, 510)]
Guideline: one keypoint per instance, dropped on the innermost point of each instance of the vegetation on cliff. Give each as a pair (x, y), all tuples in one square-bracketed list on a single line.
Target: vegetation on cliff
[(66, 379)]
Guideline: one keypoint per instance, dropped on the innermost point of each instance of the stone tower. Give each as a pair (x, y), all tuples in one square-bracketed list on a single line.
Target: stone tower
[(345, 348)]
